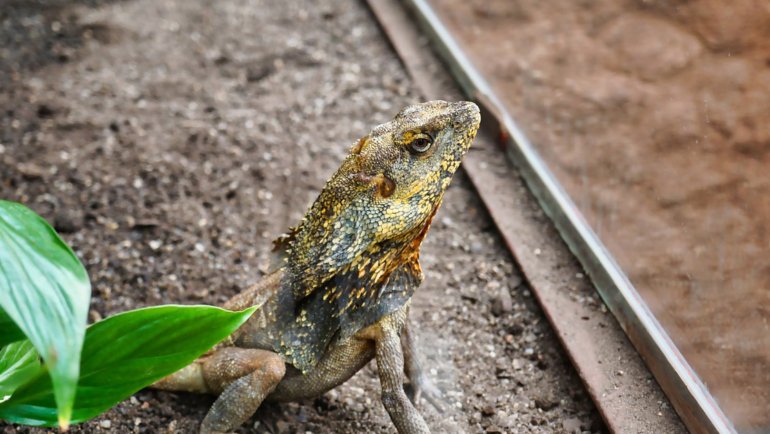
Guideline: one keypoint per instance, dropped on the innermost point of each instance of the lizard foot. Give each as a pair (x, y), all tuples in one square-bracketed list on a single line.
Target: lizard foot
[(422, 387)]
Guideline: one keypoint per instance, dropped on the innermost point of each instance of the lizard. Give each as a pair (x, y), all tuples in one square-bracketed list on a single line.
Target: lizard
[(338, 292)]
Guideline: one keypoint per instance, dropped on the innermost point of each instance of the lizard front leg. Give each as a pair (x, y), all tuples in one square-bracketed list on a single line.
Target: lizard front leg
[(241, 377), (390, 364), (414, 371)]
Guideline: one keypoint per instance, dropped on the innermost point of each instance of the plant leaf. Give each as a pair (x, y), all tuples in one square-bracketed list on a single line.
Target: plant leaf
[(19, 363), (45, 290), (9, 331), (124, 353)]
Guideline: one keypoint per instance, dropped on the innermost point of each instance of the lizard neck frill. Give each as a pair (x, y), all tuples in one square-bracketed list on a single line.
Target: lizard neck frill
[(331, 235), (377, 281)]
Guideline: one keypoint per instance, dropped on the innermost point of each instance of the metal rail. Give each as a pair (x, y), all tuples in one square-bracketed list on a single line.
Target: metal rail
[(688, 394)]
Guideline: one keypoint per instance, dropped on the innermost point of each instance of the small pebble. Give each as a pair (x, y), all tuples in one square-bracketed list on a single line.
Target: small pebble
[(488, 410), (30, 170), (572, 425), (68, 221), (502, 303), (282, 427), (94, 316), (546, 402)]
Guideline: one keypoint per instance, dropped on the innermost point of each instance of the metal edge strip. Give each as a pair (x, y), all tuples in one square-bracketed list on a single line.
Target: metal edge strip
[(689, 395)]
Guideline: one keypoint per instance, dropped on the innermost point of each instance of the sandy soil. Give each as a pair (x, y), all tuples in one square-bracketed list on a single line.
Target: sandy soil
[(653, 114), (170, 141)]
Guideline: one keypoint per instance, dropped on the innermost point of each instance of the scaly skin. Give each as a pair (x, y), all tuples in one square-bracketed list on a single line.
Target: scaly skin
[(339, 292)]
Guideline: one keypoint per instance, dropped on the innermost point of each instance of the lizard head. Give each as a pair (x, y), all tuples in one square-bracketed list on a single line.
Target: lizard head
[(386, 191), (404, 166)]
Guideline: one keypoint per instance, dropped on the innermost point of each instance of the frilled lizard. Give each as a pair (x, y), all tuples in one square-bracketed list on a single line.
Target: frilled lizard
[(339, 290)]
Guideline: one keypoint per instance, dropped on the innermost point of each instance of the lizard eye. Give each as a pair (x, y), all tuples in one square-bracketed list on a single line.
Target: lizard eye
[(421, 144)]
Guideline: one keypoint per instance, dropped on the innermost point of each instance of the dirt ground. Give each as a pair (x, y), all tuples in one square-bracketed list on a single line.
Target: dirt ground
[(653, 115), (171, 141)]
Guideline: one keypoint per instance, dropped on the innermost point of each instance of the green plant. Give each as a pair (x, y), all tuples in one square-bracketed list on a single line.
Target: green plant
[(54, 369)]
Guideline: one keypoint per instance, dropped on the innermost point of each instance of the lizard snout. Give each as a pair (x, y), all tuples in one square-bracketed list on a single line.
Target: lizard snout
[(467, 115)]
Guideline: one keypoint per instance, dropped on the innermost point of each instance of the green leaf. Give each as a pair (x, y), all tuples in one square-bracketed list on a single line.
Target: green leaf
[(9, 331), (124, 353), (45, 290), (19, 363)]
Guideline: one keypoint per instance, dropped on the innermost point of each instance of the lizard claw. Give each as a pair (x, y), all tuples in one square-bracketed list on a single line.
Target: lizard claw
[(422, 387)]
